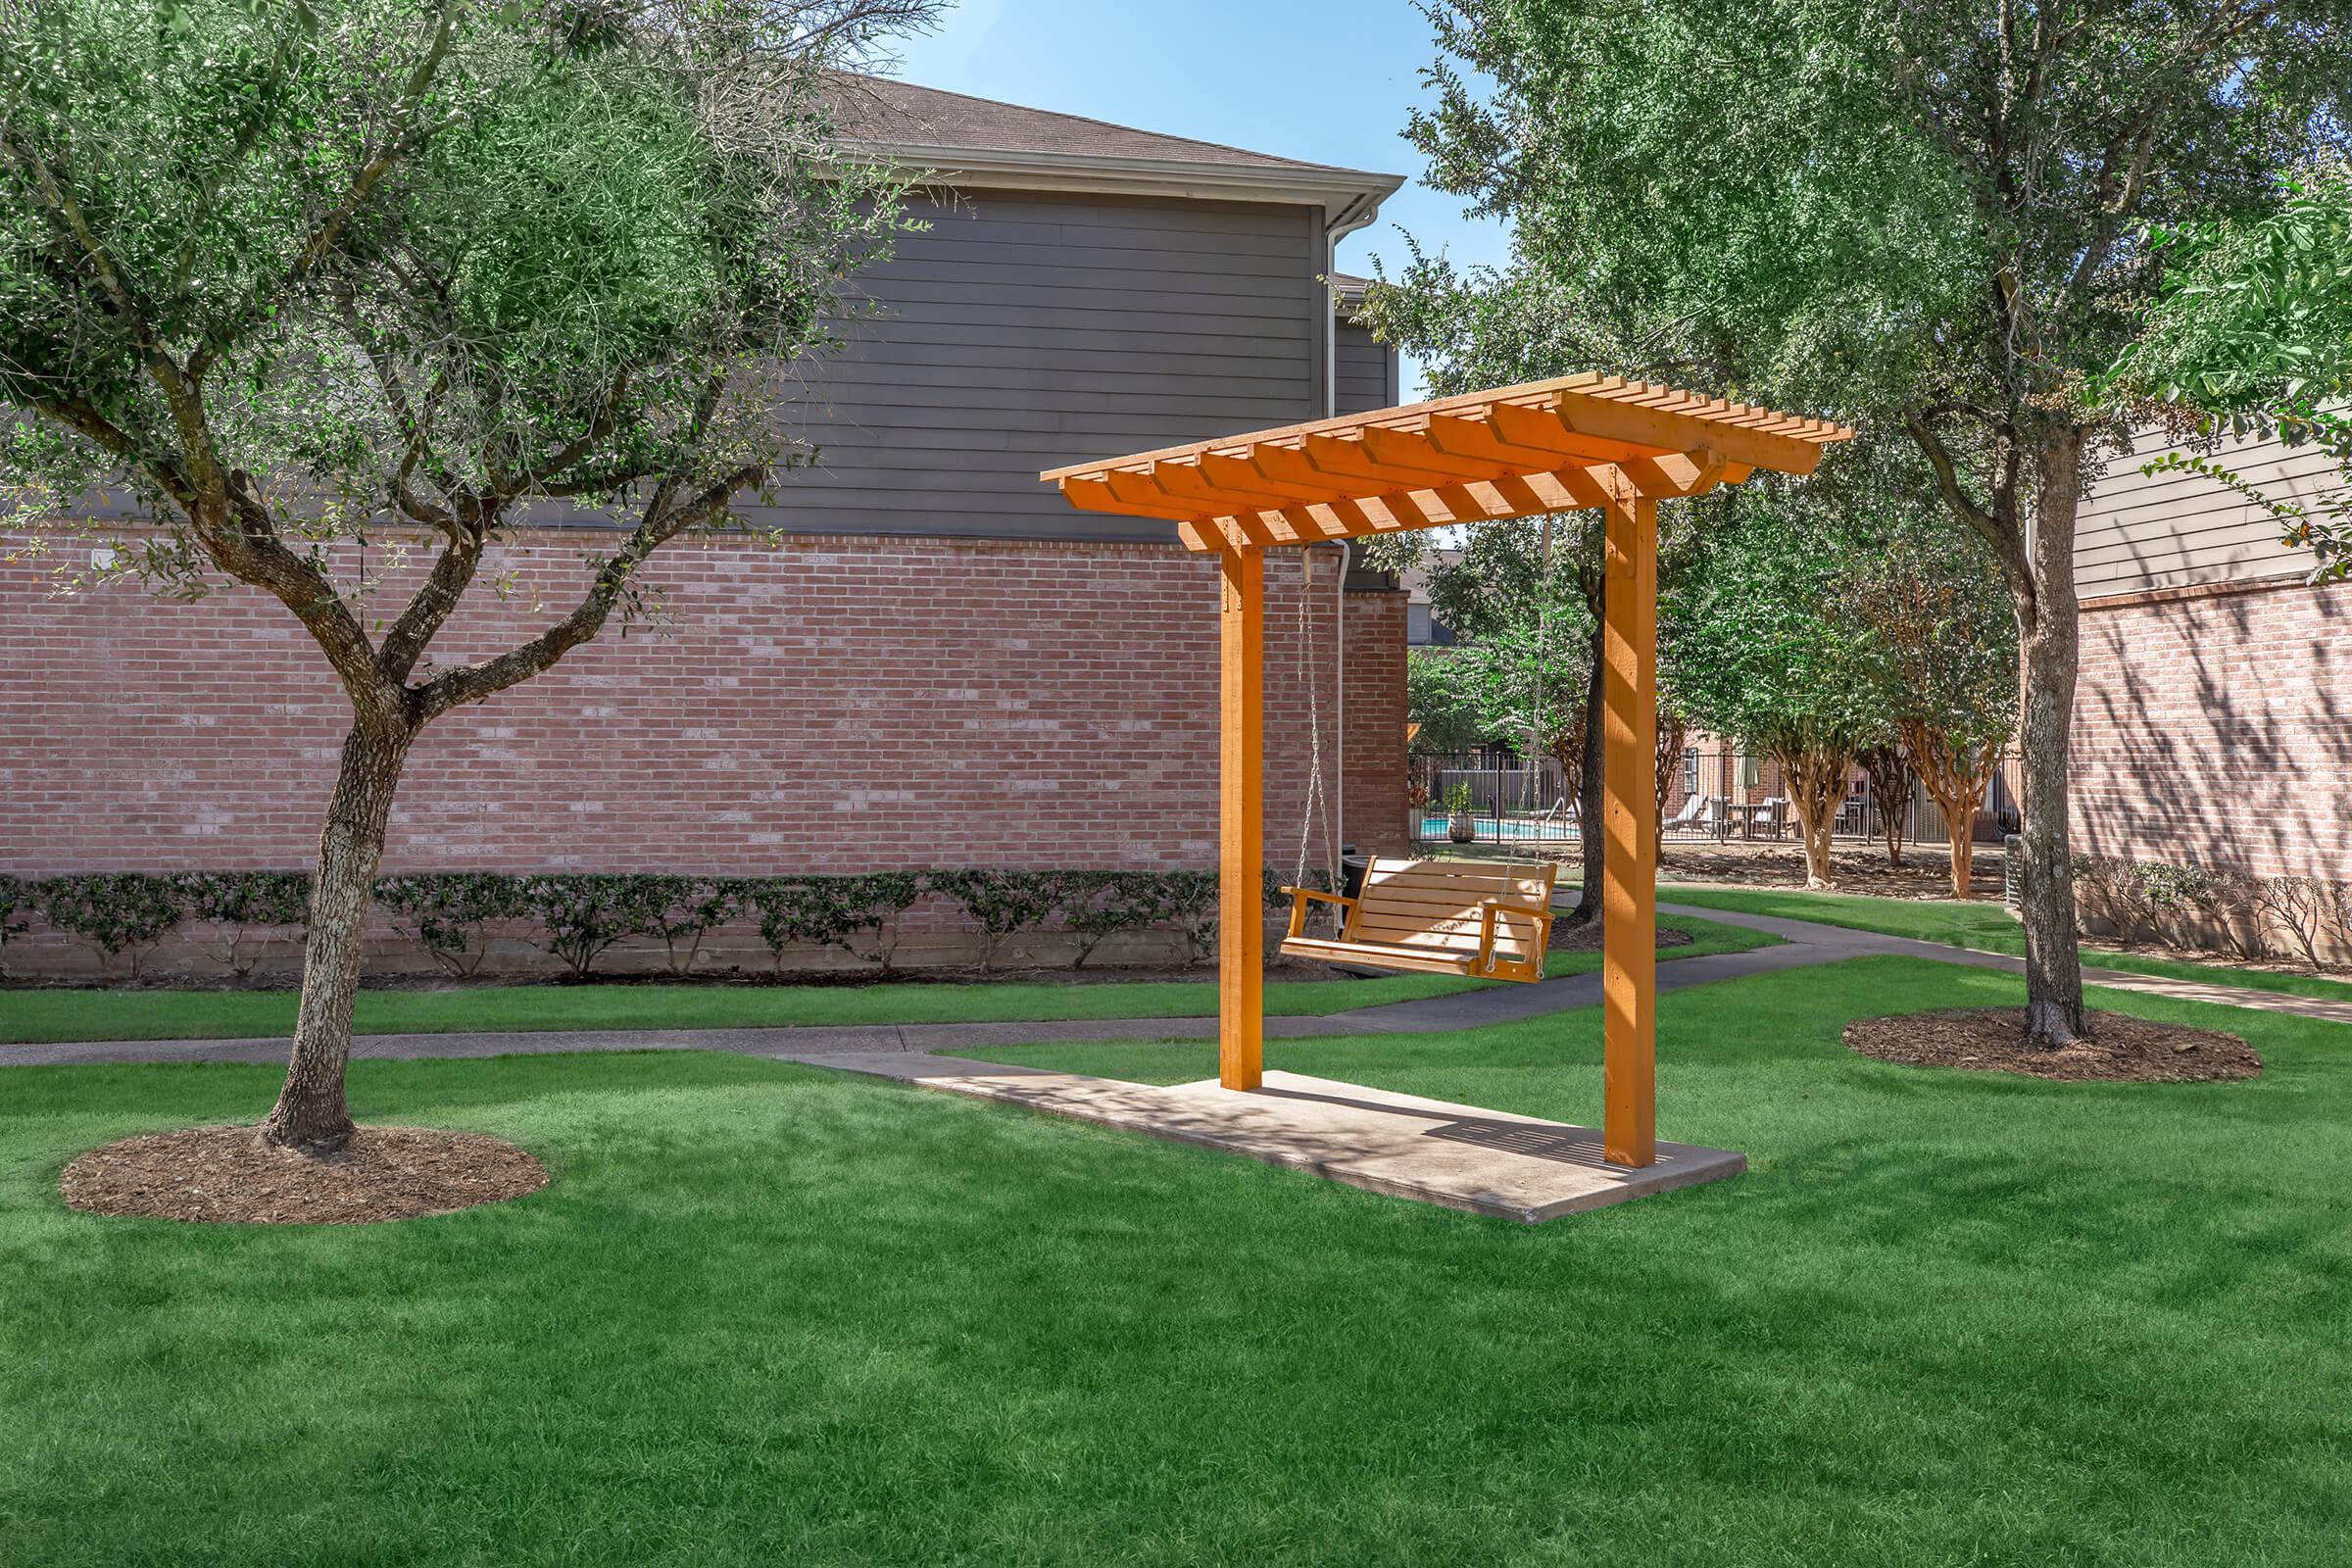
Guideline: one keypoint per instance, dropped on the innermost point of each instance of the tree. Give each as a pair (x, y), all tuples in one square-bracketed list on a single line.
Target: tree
[(1891, 781), (1946, 659), (1444, 697), (1924, 218), (1488, 327), (300, 277), (1767, 654), (2253, 333)]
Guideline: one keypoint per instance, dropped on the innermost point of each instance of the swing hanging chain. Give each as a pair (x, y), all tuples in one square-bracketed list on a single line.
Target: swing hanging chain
[(1318, 802)]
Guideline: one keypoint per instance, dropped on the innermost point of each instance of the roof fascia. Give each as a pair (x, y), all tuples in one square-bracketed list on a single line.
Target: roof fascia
[(975, 167)]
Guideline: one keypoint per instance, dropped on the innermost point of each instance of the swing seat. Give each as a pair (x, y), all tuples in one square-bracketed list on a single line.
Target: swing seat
[(1488, 919)]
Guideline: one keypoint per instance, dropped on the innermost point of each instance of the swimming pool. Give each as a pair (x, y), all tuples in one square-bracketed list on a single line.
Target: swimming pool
[(1499, 830)]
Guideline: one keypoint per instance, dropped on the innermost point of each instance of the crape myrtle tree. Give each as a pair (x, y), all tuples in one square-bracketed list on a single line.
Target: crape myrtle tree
[(298, 277), (1768, 655), (2253, 334), (1929, 217), (1944, 658)]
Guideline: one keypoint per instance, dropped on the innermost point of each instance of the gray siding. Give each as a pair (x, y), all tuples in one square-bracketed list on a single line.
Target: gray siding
[(2139, 531), (1026, 331), (1366, 371)]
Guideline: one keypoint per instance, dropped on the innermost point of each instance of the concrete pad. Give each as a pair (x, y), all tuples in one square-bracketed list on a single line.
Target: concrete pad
[(1461, 1156)]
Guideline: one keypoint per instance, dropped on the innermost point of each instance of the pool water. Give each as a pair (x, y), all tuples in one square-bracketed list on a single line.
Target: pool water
[(1498, 829)]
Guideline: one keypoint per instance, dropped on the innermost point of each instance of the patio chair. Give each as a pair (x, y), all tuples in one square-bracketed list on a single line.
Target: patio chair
[(1688, 818), (1776, 814)]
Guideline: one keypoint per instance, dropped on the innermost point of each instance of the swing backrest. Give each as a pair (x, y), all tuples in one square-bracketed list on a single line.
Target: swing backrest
[(1438, 904)]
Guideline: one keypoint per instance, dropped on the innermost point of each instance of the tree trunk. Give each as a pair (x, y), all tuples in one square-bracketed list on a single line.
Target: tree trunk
[(1815, 783), (2046, 627), (1588, 782), (311, 1115)]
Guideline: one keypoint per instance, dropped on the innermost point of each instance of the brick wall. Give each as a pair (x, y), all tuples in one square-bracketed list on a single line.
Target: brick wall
[(2215, 724), (822, 705)]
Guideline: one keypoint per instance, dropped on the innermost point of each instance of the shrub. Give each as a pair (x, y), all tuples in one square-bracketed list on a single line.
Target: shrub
[(117, 912), (582, 914), (833, 912), (16, 899), (1192, 903), (235, 903), (2312, 914), (689, 908), (1003, 903), (448, 913), (1099, 905)]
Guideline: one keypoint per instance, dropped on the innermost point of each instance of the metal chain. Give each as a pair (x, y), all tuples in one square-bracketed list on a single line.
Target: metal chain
[(1317, 803)]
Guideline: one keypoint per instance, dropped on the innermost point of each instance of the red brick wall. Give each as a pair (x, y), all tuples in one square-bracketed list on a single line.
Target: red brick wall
[(828, 703), (2217, 727)]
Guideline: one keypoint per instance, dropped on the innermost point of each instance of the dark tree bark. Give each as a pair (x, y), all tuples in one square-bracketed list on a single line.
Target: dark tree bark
[(1587, 790), (1890, 782), (2046, 622), (311, 1113)]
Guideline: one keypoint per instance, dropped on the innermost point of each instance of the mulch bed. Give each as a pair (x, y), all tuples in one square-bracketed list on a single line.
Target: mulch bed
[(2120, 1048), (1585, 937), (228, 1173), (1926, 871)]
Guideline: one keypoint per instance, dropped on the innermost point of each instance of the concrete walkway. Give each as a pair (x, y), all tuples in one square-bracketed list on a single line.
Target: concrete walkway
[(1803, 943), (1461, 1156)]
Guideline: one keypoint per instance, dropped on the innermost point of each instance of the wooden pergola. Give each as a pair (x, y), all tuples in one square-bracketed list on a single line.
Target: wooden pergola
[(1581, 441)]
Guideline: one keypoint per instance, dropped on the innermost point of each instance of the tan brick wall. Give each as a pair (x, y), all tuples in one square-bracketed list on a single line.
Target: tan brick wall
[(826, 705), (2216, 725)]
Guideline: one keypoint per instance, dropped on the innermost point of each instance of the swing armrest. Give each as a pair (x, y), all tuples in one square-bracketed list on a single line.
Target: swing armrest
[(1529, 967), (1298, 898)]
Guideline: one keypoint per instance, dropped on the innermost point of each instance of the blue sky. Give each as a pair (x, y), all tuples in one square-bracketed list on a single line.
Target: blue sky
[(1327, 80)]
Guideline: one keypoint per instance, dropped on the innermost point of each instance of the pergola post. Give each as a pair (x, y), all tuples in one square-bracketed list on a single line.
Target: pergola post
[(1628, 898), (1241, 820)]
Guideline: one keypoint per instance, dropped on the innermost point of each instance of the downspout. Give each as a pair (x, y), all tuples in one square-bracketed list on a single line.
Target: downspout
[(1357, 213)]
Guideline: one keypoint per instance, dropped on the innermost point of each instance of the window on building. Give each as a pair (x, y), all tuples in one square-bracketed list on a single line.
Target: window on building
[(1689, 774), (1751, 772)]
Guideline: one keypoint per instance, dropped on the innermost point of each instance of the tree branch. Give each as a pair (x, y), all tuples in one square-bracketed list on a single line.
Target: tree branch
[(472, 683), (435, 599), (2007, 542), (387, 155)]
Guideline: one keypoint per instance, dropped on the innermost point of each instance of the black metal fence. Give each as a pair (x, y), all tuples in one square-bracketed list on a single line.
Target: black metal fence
[(1713, 796)]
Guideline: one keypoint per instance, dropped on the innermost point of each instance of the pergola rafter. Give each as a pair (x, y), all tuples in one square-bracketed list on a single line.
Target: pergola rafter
[(1566, 445)]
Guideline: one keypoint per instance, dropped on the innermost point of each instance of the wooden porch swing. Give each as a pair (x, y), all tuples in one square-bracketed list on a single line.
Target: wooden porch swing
[(1581, 441)]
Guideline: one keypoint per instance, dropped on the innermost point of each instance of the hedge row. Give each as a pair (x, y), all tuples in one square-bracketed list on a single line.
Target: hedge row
[(579, 917), (2300, 917)]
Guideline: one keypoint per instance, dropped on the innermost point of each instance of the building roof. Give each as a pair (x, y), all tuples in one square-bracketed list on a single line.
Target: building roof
[(981, 141)]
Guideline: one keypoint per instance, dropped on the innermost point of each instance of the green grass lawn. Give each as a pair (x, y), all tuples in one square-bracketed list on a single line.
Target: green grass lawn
[(1987, 926), (40, 1016), (768, 1315)]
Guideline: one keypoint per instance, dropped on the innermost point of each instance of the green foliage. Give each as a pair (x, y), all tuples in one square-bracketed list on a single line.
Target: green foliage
[(16, 900), (834, 912), (582, 915), (235, 903), (1770, 658), (451, 914), (1443, 695), (120, 913), (1460, 801), (684, 910), (247, 898), (1099, 905), (2253, 333), (1942, 645), (1003, 903)]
